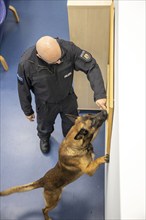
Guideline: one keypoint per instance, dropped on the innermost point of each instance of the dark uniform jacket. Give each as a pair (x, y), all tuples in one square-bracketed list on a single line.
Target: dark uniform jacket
[(53, 83)]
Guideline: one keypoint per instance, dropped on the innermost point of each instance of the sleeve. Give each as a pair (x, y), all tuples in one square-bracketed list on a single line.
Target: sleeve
[(84, 61), (24, 87)]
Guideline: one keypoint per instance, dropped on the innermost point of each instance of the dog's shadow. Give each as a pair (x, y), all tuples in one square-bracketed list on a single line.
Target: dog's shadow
[(66, 210), (73, 208)]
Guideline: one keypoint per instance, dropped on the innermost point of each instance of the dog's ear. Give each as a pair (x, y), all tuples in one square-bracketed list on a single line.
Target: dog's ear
[(83, 132), (72, 117)]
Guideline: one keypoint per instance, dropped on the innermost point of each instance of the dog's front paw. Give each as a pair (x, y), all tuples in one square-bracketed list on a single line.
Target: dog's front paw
[(107, 158)]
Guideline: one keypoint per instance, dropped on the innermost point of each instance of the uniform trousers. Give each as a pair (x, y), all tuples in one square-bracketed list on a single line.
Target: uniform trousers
[(47, 113)]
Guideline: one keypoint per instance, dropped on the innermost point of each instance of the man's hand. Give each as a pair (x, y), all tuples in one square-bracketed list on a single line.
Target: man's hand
[(101, 103), (31, 117)]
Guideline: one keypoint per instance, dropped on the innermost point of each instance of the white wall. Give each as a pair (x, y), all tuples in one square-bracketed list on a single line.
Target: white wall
[(125, 175)]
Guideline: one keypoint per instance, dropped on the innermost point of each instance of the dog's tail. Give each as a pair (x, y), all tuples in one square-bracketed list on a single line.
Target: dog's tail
[(23, 188)]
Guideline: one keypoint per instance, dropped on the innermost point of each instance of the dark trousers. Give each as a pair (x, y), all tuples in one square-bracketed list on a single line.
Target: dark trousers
[(47, 113)]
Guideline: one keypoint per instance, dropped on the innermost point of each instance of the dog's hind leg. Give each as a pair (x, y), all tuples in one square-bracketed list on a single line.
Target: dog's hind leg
[(51, 199)]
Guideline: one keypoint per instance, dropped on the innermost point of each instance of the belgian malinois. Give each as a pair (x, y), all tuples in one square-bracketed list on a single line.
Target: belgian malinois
[(76, 158)]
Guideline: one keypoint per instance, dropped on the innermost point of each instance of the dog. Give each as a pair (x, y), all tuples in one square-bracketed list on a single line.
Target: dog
[(76, 157)]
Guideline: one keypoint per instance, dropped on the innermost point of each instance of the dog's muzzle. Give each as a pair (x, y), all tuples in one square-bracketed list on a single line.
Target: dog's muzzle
[(99, 118), (103, 114)]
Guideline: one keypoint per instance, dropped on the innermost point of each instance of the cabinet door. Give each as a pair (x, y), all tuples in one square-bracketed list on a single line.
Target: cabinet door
[(89, 23)]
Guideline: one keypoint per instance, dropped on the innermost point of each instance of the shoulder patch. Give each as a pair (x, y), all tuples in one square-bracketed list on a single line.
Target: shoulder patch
[(86, 56)]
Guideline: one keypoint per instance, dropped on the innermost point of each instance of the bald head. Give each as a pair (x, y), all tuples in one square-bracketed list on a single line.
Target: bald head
[(48, 49)]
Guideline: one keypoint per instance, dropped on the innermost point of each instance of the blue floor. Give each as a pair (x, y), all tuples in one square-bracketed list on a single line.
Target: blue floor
[(20, 157)]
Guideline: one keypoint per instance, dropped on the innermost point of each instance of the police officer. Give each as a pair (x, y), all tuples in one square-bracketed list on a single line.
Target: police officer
[(46, 70)]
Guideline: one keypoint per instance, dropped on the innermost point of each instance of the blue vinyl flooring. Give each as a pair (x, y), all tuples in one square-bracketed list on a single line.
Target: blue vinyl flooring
[(21, 160)]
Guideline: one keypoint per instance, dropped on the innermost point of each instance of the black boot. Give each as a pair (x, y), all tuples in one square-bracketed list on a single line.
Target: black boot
[(45, 145)]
